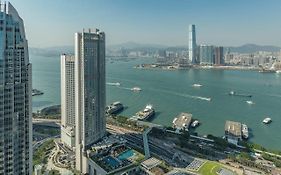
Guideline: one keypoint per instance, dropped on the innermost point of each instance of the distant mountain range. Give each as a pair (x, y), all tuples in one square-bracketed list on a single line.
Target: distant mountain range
[(56, 51)]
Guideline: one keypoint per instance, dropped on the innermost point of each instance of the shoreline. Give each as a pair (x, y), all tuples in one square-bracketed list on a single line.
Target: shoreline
[(176, 67)]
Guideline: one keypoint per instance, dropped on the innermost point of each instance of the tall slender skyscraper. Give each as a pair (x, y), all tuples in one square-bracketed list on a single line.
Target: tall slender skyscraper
[(90, 93), (192, 44), (67, 100), (15, 95)]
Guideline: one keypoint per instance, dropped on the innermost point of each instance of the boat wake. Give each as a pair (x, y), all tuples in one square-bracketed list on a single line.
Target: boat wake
[(113, 84)]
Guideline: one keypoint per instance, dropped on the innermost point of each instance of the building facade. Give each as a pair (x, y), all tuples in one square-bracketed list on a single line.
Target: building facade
[(192, 44), (89, 93), (68, 100), (15, 95), (206, 54), (218, 54)]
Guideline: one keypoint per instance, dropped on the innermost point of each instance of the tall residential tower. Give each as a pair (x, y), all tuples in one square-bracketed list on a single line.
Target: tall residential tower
[(89, 93), (68, 100), (192, 44), (15, 95)]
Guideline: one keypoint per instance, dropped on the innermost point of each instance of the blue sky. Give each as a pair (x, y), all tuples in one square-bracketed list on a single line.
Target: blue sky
[(221, 22)]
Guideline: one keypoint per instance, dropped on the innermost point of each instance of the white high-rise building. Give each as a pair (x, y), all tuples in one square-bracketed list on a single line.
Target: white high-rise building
[(15, 95), (192, 44), (68, 100), (90, 93)]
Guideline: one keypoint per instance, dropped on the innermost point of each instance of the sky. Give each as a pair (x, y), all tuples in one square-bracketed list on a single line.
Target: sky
[(51, 23)]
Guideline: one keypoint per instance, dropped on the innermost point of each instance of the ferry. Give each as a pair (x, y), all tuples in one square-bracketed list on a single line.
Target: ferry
[(233, 93), (267, 120), (250, 102), (195, 123), (146, 113), (245, 131), (114, 108), (197, 85), (136, 89)]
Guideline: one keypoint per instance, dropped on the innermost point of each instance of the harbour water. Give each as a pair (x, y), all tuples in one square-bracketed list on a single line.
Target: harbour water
[(171, 92)]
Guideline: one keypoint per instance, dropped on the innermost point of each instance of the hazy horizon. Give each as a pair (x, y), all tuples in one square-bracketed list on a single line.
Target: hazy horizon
[(165, 22)]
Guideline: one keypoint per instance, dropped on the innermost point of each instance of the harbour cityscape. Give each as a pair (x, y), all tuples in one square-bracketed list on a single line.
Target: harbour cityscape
[(193, 106)]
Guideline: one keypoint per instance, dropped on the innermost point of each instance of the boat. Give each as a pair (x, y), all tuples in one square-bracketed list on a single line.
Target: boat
[(146, 113), (136, 89), (36, 92), (195, 123), (267, 71), (114, 108), (250, 102), (267, 120), (233, 93), (114, 84), (245, 131), (278, 71), (197, 85)]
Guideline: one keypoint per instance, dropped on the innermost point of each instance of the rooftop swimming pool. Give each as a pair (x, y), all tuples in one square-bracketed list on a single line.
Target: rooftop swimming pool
[(111, 161), (125, 155)]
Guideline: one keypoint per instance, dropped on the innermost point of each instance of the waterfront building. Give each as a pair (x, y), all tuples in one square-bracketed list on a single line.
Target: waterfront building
[(89, 93), (218, 54), (15, 95), (67, 100), (192, 44), (206, 54), (233, 132)]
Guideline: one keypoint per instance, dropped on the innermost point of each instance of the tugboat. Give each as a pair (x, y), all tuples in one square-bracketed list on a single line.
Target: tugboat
[(195, 124), (245, 131), (146, 113), (114, 108)]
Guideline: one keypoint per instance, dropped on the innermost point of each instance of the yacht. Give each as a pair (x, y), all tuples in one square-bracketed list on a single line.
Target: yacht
[(197, 85), (195, 123), (114, 108), (136, 89), (250, 102), (146, 113), (267, 120), (245, 131)]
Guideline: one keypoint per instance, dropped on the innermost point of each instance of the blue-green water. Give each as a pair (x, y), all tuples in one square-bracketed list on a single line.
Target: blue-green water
[(171, 92)]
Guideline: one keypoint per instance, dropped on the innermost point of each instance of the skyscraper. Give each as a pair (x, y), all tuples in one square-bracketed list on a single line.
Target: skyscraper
[(90, 93), (192, 44), (67, 100), (15, 95), (206, 54), (219, 58)]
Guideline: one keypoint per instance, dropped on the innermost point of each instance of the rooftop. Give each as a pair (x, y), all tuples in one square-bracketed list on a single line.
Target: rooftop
[(150, 163), (233, 128)]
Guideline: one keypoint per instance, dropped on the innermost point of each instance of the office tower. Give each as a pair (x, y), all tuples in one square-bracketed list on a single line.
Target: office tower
[(67, 100), (15, 95), (192, 44), (206, 54), (218, 52), (90, 93)]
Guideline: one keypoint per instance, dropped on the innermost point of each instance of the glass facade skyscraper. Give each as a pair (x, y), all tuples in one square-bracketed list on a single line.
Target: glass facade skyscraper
[(15, 95), (90, 93), (192, 44)]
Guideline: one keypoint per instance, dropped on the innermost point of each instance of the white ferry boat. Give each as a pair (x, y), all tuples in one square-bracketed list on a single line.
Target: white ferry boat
[(146, 113), (267, 120)]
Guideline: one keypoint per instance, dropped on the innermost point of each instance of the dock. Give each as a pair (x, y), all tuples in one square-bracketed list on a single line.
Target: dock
[(182, 121)]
